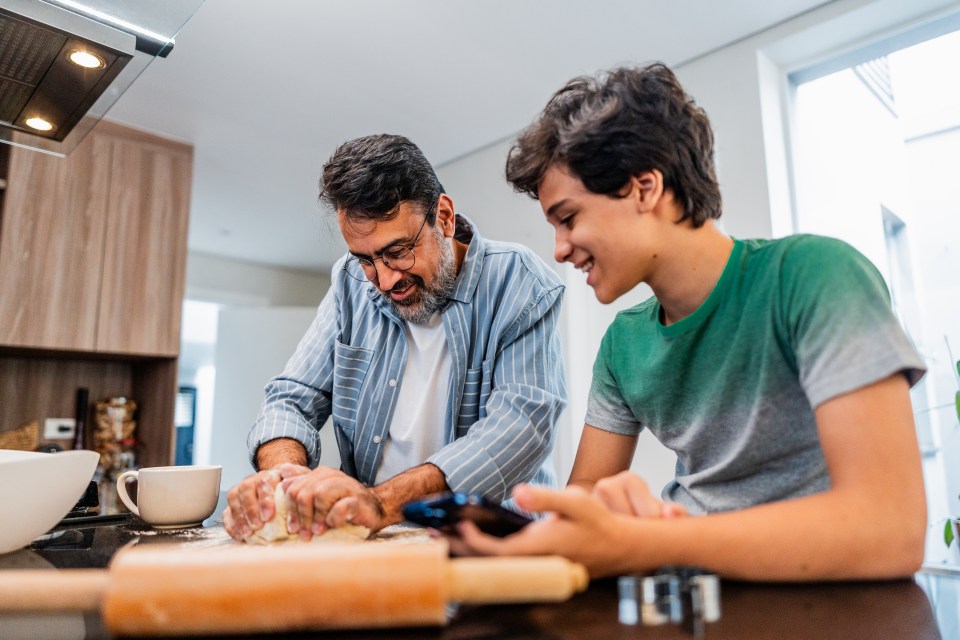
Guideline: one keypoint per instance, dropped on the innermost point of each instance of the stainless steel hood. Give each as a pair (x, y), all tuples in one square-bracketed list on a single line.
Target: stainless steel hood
[(64, 63)]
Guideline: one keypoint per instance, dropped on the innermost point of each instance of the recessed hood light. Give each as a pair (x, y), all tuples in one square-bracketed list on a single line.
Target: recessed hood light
[(37, 77), (86, 59), (39, 124), (64, 63)]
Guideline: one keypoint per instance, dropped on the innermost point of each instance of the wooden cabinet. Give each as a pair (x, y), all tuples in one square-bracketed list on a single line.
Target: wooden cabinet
[(92, 267), (145, 261), (93, 246), (51, 247)]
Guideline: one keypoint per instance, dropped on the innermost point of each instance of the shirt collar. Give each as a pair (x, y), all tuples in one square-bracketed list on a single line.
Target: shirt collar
[(469, 277)]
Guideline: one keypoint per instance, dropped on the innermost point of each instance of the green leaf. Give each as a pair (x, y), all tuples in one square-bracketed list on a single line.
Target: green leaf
[(948, 532), (957, 402)]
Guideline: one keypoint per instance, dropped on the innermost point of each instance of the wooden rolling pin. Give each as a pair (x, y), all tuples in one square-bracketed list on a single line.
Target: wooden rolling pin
[(168, 591)]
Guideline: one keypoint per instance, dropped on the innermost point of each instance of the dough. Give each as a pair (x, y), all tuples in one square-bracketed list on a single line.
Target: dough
[(276, 530)]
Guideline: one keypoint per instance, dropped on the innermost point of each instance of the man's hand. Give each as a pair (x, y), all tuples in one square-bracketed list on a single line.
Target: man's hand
[(326, 498), (628, 493), (250, 503)]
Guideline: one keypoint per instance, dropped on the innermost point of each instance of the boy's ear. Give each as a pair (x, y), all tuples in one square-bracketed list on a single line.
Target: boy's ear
[(647, 189)]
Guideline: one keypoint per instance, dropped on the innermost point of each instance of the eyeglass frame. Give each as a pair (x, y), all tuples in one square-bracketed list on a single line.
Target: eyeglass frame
[(372, 262)]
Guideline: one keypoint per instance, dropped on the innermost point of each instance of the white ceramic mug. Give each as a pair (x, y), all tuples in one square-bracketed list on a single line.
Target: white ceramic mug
[(172, 497)]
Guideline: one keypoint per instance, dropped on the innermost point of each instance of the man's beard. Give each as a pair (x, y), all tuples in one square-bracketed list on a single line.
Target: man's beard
[(427, 300)]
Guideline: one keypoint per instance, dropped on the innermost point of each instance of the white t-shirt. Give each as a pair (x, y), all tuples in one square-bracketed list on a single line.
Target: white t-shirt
[(416, 430)]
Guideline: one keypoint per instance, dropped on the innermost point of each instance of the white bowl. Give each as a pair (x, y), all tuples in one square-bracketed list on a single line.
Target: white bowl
[(38, 489)]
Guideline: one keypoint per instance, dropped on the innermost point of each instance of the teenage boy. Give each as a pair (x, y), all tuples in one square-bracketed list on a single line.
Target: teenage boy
[(774, 369)]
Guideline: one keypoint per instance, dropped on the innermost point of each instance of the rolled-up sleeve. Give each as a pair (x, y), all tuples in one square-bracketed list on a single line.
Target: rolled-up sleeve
[(515, 433)]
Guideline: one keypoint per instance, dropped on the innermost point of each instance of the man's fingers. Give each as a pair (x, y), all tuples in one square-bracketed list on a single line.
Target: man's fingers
[(302, 500), (290, 470), (242, 500), (343, 512), (238, 523), (317, 496), (311, 498), (250, 503), (230, 525), (265, 490)]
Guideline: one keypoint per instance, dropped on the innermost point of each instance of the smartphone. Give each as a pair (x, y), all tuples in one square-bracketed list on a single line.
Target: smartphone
[(443, 511)]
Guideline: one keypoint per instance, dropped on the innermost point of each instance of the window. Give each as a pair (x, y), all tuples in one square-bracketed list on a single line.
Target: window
[(876, 163)]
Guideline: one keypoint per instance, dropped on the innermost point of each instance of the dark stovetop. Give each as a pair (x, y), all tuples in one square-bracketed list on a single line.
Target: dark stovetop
[(88, 542)]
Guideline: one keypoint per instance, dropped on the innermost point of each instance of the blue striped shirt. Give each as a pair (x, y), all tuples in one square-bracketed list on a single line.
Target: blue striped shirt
[(506, 390)]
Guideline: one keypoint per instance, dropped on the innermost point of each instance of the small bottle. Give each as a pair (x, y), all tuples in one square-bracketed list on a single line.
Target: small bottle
[(79, 436)]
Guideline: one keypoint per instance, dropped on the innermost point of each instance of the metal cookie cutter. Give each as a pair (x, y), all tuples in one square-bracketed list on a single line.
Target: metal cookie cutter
[(678, 595)]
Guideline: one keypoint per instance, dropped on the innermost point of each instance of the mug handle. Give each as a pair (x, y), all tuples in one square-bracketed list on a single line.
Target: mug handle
[(122, 490)]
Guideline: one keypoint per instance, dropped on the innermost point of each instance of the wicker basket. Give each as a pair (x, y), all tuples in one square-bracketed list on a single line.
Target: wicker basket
[(23, 438)]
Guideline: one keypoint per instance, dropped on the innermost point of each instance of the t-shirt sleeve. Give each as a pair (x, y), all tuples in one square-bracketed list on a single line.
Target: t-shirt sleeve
[(839, 320), (606, 408)]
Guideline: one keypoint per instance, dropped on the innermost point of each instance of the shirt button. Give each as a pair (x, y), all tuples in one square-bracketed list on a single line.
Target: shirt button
[(376, 439), (393, 383)]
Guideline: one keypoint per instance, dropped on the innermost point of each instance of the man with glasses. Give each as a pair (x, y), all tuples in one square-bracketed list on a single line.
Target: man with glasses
[(435, 353)]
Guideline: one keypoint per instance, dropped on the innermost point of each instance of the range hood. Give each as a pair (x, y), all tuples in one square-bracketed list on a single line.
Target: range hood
[(63, 63)]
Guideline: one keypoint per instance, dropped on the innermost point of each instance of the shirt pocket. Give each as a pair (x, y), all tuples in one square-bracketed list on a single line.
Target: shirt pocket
[(476, 392), (350, 366)]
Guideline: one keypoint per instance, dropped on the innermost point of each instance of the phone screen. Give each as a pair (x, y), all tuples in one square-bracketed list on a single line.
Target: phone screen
[(445, 510)]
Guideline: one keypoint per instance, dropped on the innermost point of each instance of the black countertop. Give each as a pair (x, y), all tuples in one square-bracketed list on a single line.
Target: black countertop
[(926, 607)]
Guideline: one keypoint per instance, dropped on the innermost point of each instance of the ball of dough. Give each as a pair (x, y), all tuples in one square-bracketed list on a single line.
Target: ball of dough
[(276, 530)]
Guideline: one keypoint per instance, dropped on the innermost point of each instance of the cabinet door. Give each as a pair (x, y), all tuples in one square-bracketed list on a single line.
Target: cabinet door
[(51, 247), (145, 246)]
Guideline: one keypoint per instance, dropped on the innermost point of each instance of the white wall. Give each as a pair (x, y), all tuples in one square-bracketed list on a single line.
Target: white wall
[(228, 397), (253, 345), (229, 281), (742, 89)]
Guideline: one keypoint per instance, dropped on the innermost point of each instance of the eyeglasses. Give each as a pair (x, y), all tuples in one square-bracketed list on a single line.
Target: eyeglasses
[(398, 257)]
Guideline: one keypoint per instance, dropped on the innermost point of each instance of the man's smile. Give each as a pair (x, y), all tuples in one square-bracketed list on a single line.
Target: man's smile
[(403, 290)]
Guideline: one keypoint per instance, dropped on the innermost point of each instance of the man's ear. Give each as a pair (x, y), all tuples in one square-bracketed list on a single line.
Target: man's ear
[(446, 216), (647, 189)]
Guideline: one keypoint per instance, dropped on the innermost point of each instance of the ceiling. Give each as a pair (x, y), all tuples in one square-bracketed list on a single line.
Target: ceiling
[(265, 91)]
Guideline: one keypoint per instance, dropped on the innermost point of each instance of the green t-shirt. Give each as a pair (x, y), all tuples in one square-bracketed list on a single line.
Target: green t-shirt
[(731, 388)]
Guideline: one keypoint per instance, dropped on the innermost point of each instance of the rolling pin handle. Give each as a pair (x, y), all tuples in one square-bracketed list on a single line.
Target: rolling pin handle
[(511, 580), (43, 590)]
